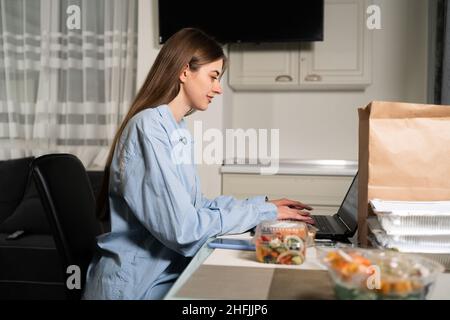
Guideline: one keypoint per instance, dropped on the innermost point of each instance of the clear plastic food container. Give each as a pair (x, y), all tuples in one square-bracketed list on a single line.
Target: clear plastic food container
[(312, 232), (413, 218), (442, 258), (410, 243), (281, 242), (372, 274), (402, 224)]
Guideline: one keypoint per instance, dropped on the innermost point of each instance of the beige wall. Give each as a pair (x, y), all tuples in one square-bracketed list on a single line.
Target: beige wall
[(323, 125), (315, 125)]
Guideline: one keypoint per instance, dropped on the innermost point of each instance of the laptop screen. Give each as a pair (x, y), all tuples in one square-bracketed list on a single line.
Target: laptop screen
[(348, 211)]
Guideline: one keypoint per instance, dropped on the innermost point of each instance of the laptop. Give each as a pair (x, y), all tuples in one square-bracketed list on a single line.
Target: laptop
[(342, 225)]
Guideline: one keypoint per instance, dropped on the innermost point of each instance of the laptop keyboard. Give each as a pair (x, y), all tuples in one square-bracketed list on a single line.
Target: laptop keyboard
[(322, 224)]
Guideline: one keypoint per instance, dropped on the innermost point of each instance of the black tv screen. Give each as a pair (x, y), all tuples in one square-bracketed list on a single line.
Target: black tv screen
[(245, 21)]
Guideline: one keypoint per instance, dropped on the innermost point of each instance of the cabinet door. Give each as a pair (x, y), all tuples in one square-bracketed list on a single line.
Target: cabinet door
[(343, 59), (264, 66)]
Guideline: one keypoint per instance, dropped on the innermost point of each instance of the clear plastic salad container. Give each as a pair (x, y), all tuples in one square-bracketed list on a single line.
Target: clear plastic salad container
[(282, 242), (372, 274)]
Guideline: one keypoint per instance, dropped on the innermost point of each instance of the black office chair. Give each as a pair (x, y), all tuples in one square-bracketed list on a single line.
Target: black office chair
[(69, 203)]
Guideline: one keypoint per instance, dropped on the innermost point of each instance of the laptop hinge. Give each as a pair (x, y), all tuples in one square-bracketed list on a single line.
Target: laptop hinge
[(348, 228)]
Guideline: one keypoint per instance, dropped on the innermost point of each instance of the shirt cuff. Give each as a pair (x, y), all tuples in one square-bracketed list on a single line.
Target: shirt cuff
[(257, 200), (267, 211)]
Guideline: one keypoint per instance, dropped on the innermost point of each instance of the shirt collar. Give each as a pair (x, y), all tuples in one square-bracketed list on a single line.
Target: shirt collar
[(166, 113)]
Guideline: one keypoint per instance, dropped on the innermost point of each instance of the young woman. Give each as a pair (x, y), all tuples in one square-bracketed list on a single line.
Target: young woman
[(159, 217)]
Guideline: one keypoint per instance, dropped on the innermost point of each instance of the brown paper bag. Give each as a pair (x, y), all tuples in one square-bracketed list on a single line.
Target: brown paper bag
[(404, 154)]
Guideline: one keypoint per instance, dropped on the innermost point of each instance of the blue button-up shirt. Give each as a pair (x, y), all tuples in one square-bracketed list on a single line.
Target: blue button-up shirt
[(159, 218)]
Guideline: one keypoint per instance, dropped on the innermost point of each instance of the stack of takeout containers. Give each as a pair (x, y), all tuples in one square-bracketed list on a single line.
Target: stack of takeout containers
[(412, 227)]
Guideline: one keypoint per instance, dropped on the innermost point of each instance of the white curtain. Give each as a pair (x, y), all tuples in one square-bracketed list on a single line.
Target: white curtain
[(64, 90)]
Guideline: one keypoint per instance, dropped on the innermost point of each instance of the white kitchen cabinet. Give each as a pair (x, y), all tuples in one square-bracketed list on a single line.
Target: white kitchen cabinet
[(323, 193), (262, 66), (341, 61)]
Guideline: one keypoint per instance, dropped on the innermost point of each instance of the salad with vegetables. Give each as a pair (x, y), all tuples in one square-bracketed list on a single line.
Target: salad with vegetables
[(378, 275), (281, 242)]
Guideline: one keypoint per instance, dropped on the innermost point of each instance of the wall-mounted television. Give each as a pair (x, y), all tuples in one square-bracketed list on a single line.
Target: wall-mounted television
[(232, 21)]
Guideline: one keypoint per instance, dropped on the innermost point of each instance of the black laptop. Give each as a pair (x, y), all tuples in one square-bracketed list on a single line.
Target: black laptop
[(342, 225)]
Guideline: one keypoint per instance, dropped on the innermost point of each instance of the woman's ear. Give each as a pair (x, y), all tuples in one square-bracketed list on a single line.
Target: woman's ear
[(184, 73)]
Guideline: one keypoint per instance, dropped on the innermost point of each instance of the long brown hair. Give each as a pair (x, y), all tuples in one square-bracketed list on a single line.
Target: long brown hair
[(188, 46)]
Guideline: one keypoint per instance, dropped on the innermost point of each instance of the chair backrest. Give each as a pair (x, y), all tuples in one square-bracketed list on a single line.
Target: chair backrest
[(69, 203)]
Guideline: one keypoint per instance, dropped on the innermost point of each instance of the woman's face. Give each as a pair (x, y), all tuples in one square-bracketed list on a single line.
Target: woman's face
[(202, 85)]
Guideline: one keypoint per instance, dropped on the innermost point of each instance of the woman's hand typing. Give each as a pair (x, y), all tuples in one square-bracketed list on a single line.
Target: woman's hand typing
[(292, 210)]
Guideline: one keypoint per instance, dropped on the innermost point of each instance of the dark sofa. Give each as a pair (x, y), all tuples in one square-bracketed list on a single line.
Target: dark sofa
[(29, 264)]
